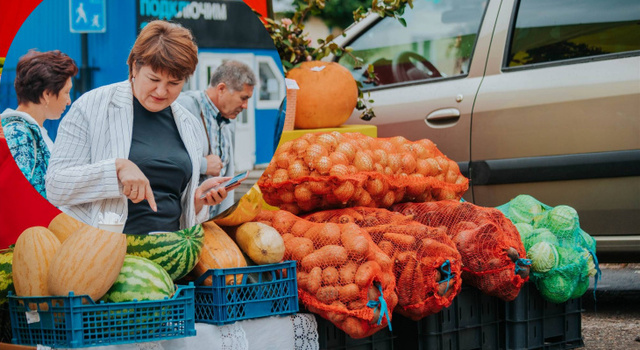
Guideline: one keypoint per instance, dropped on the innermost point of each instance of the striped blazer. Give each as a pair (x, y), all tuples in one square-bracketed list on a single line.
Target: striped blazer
[(81, 179)]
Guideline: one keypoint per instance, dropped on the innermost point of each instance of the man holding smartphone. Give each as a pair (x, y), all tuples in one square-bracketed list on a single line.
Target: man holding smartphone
[(230, 88)]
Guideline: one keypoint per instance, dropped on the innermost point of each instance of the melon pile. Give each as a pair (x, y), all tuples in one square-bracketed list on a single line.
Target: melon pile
[(69, 256)]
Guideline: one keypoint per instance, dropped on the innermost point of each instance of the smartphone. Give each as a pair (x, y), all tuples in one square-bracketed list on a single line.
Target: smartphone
[(236, 179)]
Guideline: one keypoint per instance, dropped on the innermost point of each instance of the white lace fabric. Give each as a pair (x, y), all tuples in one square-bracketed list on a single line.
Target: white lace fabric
[(295, 332)]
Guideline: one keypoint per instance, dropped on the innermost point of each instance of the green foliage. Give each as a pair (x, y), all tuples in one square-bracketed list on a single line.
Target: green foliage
[(294, 46)]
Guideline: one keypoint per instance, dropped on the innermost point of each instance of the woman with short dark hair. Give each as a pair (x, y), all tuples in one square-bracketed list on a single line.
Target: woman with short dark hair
[(43, 85), (130, 149)]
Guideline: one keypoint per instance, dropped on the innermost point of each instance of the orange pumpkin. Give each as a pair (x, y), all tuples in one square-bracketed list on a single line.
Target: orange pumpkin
[(327, 96), (219, 251)]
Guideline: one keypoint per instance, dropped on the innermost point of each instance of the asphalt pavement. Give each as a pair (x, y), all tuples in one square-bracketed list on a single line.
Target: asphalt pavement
[(611, 316)]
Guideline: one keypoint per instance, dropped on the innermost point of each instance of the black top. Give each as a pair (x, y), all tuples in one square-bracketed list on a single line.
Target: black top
[(158, 150)]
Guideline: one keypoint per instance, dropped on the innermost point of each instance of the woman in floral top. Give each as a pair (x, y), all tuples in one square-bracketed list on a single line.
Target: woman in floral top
[(43, 85)]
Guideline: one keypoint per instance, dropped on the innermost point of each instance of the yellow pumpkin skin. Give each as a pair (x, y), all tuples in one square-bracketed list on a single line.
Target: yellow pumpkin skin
[(64, 225), (327, 95), (88, 262), (32, 255), (261, 242), (219, 251)]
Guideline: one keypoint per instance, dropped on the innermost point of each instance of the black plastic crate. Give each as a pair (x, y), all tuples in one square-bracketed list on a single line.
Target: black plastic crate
[(472, 321), (331, 337), (531, 322), (5, 324)]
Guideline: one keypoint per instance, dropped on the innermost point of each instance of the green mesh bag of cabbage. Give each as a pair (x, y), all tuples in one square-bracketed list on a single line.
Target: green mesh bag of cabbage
[(563, 256)]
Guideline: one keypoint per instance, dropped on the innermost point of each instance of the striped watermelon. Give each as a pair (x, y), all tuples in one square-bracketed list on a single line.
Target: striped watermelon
[(140, 279), (177, 252), (6, 278)]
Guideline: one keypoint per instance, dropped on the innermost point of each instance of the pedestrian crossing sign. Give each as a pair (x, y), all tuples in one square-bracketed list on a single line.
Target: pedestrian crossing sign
[(88, 16)]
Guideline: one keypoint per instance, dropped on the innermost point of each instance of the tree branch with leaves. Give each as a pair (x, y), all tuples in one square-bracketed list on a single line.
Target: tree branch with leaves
[(294, 46)]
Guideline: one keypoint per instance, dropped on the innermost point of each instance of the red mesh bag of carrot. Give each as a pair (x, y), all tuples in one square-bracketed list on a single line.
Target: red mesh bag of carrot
[(426, 263), (493, 256), (338, 170), (342, 275)]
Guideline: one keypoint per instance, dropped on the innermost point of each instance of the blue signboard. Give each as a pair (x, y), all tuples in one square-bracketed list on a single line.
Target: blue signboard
[(87, 16)]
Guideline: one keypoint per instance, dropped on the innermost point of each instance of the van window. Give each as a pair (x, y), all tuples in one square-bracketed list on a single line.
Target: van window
[(437, 42), (552, 30)]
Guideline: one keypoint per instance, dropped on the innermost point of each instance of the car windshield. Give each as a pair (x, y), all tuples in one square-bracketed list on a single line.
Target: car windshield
[(436, 42)]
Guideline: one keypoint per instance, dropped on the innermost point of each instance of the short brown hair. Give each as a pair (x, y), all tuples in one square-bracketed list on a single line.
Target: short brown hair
[(39, 72), (165, 47)]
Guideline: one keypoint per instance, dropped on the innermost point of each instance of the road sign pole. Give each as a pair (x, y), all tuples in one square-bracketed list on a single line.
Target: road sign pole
[(85, 70)]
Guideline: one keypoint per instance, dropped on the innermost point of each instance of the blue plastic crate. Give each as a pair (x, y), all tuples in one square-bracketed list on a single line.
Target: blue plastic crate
[(257, 291), (531, 322), (77, 321)]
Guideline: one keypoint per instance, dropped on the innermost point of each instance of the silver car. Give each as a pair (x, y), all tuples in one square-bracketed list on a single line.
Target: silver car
[(538, 97)]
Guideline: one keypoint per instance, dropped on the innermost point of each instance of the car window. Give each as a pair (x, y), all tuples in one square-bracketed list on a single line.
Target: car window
[(437, 42), (552, 30)]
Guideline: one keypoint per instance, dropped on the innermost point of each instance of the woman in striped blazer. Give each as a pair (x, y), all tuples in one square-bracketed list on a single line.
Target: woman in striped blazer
[(130, 149)]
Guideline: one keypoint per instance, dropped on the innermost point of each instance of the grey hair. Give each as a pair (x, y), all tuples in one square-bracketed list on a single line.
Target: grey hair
[(234, 74)]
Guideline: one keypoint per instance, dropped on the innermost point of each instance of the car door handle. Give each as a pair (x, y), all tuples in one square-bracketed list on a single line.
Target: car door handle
[(441, 116)]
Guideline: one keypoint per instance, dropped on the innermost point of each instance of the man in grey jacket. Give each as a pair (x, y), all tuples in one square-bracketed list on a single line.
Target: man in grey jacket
[(230, 88)]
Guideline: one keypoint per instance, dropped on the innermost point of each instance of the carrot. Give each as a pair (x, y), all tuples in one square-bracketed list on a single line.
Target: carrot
[(345, 219), (524, 271), (330, 233), (302, 279), (400, 240), (387, 247), (283, 220), (356, 215), (312, 233), (373, 293), (353, 327), (300, 227), (327, 294), (356, 244), (348, 292), (372, 220), (437, 276), (419, 292), (350, 228), (286, 236), (404, 285), (337, 317), (445, 287), (330, 276), (299, 247), (265, 215), (357, 304), (324, 234), (381, 258), (512, 253), (366, 272), (403, 257), (462, 226), (348, 272), (414, 229), (314, 280), (329, 255)]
